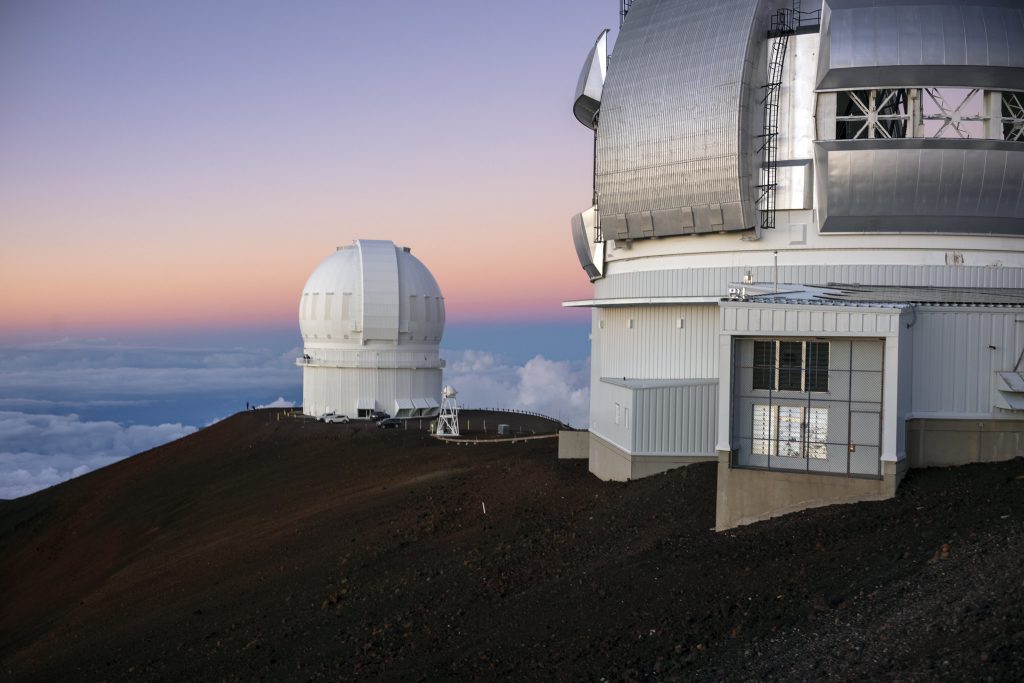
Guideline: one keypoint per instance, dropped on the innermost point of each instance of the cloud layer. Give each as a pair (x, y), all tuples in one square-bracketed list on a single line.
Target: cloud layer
[(70, 407), (37, 451), (559, 389)]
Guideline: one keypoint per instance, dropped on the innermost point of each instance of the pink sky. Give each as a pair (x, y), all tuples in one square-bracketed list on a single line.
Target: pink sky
[(191, 164)]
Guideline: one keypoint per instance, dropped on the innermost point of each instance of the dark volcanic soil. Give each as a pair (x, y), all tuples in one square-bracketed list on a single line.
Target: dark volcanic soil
[(274, 549)]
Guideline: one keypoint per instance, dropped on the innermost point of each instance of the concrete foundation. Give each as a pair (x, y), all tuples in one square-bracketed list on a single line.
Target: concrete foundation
[(746, 496), (573, 445), (610, 463), (942, 443)]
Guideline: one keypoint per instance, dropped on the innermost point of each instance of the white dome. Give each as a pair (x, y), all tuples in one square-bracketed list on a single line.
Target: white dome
[(371, 293)]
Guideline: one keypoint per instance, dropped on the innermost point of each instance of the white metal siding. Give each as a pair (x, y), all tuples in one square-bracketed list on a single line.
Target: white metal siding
[(953, 361), (715, 281), (676, 420), (340, 389), (655, 347)]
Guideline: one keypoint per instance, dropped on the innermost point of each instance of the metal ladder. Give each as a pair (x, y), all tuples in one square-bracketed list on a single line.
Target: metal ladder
[(782, 27)]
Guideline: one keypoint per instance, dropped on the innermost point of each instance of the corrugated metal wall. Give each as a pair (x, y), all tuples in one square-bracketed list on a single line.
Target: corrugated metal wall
[(715, 281), (655, 346), (339, 389), (676, 420), (954, 360)]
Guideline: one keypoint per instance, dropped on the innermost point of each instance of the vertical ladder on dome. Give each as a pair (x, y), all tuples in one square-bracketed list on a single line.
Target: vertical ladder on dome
[(782, 26), (624, 6)]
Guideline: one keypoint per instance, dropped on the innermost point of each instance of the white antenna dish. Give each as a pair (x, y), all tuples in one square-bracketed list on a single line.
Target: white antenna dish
[(448, 391)]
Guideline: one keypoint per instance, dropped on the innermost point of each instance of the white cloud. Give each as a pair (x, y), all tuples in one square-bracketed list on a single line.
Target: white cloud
[(279, 403), (559, 389), (37, 451)]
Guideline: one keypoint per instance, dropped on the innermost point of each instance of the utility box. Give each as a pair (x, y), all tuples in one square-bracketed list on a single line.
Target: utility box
[(504, 430)]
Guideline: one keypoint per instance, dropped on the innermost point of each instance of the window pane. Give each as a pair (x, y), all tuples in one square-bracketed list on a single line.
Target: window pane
[(790, 437), (764, 365), (817, 433), (817, 366), (790, 365), (763, 442)]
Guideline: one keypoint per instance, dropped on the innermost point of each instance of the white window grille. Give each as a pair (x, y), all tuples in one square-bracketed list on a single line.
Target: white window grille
[(790, 431)]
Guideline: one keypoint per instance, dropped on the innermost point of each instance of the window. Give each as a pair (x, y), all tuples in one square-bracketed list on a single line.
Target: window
[(790, 365), (871, 114), (1013, 116), (925, 112), (790, 431), (764, 364)]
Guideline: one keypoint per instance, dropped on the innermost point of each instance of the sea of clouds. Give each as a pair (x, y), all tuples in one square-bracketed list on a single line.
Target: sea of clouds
[(72, 406)]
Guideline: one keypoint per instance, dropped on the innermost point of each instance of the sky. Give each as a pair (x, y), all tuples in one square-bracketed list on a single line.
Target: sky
[(171, 173), (189, 163)]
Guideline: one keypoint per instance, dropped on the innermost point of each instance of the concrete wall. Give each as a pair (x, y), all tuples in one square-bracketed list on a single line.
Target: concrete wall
[(746, 496), (573, 445), (941, 443), (610, 463)]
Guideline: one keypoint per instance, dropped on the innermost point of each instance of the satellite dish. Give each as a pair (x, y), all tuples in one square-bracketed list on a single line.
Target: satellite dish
[(449, 391)]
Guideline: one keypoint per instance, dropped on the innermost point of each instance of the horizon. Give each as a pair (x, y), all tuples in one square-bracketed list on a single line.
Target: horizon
[(174, 173)]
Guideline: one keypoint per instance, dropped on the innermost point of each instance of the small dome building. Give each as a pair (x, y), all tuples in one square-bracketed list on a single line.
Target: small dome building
[(371, 317)]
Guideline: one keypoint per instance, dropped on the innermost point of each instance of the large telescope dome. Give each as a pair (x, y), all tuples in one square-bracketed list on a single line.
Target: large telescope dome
[(371, 292), (371, 317)]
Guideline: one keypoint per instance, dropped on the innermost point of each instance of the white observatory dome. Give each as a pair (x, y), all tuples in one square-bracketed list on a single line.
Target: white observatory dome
[(371, 292), (371, 317)]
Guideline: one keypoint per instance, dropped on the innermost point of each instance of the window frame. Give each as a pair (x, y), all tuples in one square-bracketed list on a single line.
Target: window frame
[(779, 376)]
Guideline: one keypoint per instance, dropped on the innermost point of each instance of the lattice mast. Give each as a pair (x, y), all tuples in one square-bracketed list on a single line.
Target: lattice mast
[(448, 420)]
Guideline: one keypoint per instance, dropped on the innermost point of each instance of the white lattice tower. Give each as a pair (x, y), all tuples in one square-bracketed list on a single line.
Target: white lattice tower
[(448, 420)]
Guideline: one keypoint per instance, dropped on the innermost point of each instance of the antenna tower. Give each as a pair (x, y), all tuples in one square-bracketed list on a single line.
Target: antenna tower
[(448, 420)]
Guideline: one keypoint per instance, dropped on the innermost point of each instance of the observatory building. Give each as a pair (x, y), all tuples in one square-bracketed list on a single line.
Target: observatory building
[(371, 317), (806, 244)]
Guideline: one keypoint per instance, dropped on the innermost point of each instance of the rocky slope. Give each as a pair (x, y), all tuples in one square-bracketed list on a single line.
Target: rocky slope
[(267, 548)]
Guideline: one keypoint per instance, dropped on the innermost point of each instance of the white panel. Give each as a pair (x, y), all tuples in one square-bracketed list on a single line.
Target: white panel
[(956, 352), (703, 281), (656, 347), (379, 265)]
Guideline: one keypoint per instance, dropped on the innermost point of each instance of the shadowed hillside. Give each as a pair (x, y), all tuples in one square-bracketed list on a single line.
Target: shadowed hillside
[(288, 549)]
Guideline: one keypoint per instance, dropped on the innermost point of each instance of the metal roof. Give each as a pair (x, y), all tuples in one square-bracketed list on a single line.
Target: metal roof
[(881, 295)]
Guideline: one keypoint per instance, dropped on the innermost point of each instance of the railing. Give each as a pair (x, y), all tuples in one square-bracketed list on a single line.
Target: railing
[(788, 21), (521, 412)]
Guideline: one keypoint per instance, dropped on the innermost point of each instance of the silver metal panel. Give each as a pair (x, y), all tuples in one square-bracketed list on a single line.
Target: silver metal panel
[(587, 101), (589, 252), (675, 129), (907, 43), (911, 185)]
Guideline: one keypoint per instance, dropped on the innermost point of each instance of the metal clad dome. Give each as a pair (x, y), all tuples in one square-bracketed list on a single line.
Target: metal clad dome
[(371, 292), (673, 150)]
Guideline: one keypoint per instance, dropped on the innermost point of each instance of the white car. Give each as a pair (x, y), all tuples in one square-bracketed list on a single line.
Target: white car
[(334, 417)]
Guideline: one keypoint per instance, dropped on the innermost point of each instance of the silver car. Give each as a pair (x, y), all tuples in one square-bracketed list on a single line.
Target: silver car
[(334, 417)]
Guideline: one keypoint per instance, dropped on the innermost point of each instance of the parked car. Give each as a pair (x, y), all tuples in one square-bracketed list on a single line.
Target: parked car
[(378, 415), (334, 417), (390, 423)]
